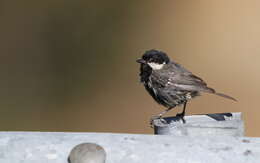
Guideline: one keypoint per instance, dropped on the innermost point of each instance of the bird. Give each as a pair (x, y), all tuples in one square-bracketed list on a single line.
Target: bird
[(169, 83)]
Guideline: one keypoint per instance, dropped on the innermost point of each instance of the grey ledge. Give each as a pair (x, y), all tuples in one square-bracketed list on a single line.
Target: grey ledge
[(51, 147)]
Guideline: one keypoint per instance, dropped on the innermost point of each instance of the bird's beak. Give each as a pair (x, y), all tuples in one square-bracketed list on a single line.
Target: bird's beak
[(140, 60)]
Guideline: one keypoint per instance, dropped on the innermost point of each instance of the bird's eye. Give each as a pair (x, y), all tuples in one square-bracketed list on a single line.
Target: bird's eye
[(145, 58)]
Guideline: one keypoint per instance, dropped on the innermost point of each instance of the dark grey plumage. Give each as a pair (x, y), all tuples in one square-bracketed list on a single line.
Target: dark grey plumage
[(169, 83)]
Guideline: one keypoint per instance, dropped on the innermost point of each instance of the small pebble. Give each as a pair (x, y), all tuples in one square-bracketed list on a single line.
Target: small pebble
[(87, 153)]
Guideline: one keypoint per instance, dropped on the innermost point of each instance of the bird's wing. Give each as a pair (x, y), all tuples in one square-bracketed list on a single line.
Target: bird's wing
[(180, 79), (190, 82), (177, 77), (187, 79)]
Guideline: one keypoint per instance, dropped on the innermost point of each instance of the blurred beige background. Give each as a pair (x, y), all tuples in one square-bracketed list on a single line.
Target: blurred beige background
[(70, 65)]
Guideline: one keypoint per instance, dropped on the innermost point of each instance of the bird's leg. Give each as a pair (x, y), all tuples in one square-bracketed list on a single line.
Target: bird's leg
[(159, 116), (182, 114), (183, 110), (164, 112)]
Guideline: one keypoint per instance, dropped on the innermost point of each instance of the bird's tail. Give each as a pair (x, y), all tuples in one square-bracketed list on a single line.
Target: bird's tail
[(211, 90), (226, 96)]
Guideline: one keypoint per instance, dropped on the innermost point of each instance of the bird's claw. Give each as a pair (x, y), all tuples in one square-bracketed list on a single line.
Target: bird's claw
[(180, 116)]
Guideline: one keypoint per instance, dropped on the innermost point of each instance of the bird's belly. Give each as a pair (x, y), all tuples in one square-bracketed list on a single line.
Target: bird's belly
[(170, 98)]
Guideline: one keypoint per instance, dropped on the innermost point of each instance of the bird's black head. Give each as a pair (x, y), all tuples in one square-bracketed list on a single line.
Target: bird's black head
[(154, 58), (151, 60)]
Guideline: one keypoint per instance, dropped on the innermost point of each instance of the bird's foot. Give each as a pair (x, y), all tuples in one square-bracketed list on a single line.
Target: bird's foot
[(180, 116), (157, 117)]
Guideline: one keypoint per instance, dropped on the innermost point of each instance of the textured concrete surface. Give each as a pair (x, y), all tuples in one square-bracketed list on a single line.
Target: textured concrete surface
[(222, 124), (42, 147)]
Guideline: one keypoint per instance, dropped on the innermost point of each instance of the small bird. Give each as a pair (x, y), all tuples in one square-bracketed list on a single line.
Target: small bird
[(169, 83)]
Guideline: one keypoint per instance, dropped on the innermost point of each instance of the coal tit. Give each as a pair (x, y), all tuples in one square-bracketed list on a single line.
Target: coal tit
[(169, 83)]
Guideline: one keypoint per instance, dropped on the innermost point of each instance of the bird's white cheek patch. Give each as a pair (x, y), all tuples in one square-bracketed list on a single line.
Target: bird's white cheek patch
[(156, 66)]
